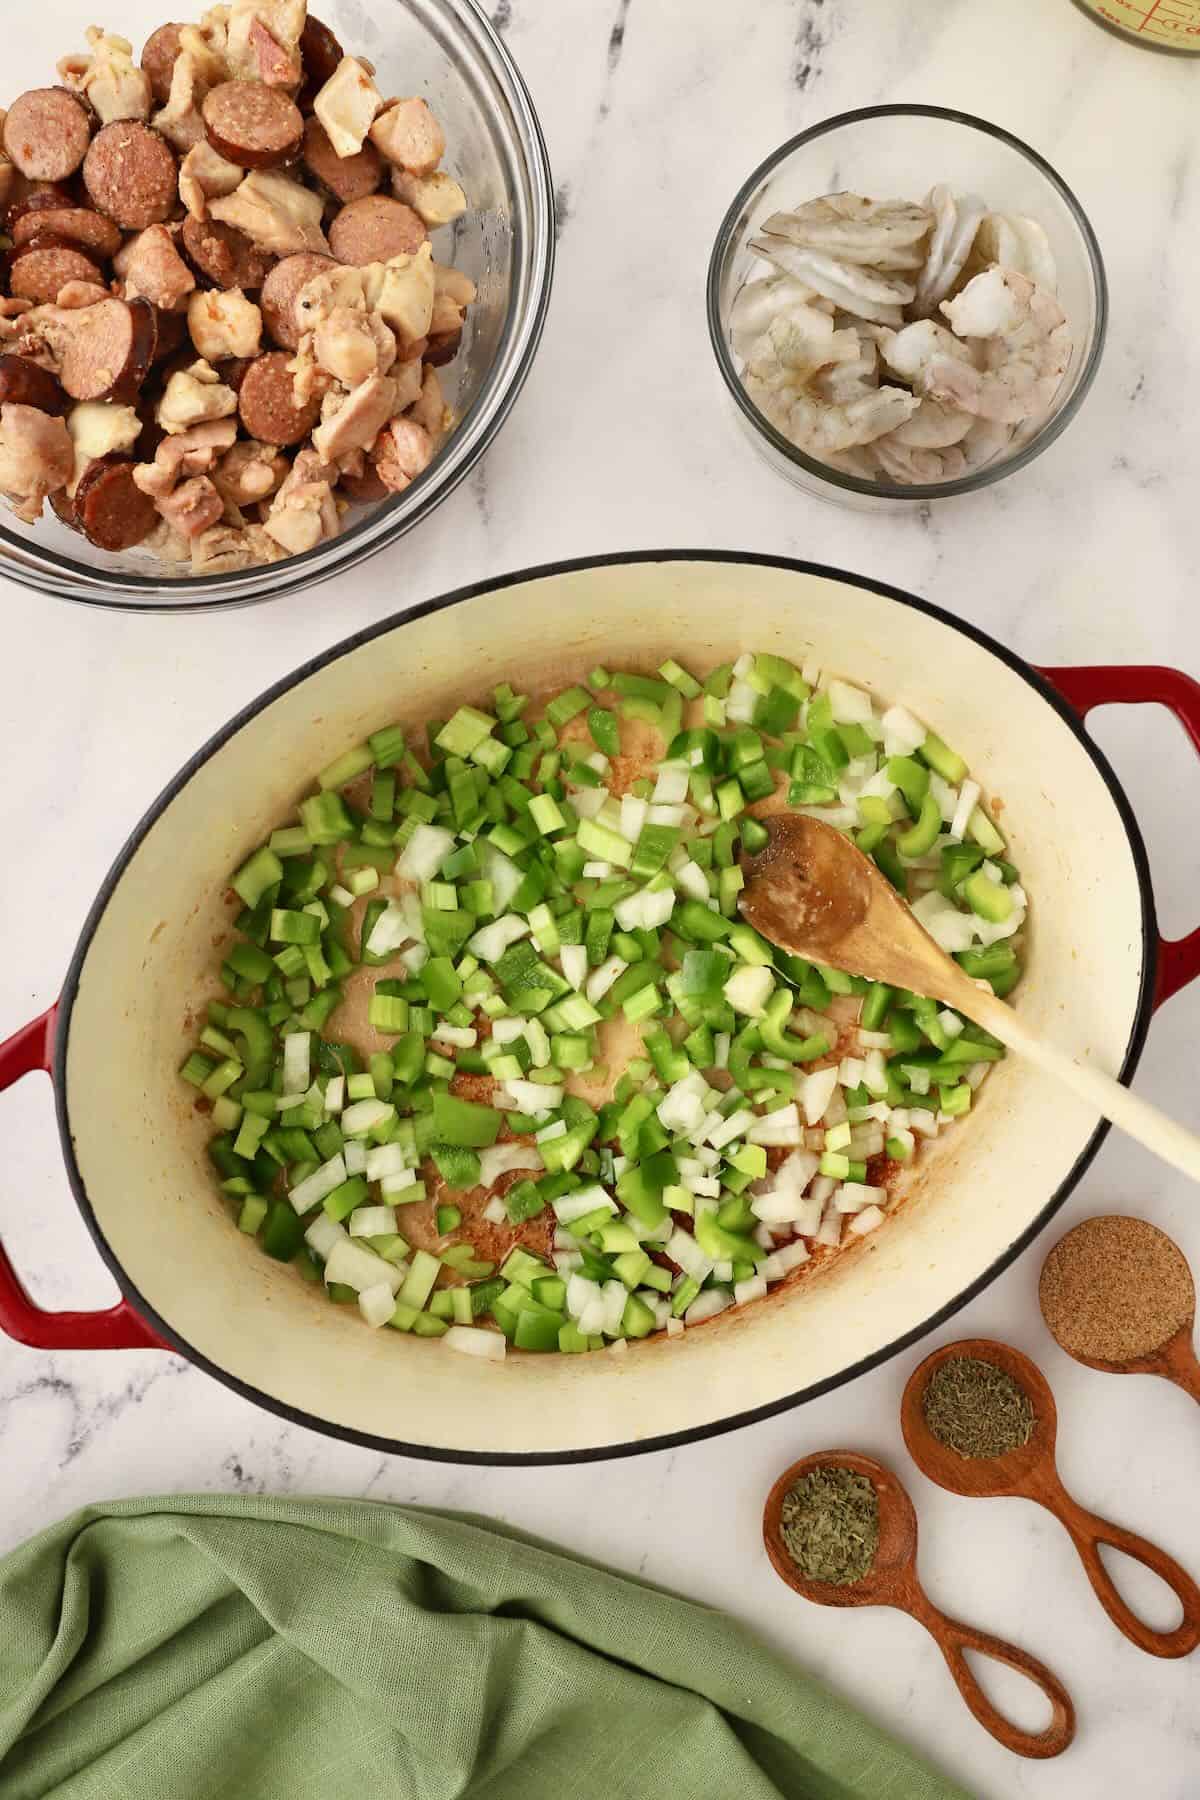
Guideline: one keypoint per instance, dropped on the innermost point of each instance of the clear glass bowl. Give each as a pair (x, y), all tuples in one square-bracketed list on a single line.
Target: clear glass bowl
[(447, 51), (902, 151)]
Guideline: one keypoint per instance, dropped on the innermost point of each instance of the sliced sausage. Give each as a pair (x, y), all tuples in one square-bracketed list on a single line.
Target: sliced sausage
[(47, 133), (443, 347), (110, 509), (107, 349), (37, 196), (347, 177), (44, 265), (158, 60), (91, 231), (171, 330), (322, 53), (265, 402), (374, 229), (281, 290), (255, 126), (24, 384), (225, 256), (131, 175), (62, 504)]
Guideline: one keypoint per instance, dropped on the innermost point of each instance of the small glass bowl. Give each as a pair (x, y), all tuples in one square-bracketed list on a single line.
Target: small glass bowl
[(447, 51), (901, 152)]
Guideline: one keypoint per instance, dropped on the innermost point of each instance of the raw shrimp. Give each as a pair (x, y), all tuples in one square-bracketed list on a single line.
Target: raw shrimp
[(933, 427), (858, 290), (958, 218), (881, 234), (1015, 242), (846, 381), (820, 427), (904, 463), (1028, 347), (800, 342), (859, 461), (911, 353), (984, 442), (760, 302)]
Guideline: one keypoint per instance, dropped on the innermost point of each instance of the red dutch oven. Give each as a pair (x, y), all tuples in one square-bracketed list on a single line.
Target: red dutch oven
[(134, 1148)]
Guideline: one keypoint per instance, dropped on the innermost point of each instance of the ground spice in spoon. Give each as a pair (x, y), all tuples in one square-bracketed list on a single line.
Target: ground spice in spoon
[(1115, 1289), (829, 1523), (976, 1409)]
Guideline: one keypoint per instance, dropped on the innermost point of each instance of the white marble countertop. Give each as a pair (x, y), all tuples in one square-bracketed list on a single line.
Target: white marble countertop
[(623, 439)]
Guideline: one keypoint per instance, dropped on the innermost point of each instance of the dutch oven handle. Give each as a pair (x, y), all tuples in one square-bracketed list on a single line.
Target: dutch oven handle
[(1178, 959), (120, 1328)]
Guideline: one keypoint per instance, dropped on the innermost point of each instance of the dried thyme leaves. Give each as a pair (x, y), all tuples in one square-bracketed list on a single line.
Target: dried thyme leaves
[(977, 1409)]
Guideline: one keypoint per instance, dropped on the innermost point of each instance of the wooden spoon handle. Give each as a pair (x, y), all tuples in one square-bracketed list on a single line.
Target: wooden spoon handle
[(1164, 1136), (1089, 1531), (953, 1638)]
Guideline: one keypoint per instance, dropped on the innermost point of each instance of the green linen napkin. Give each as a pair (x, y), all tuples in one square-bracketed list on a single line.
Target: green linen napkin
[(247, 1648)]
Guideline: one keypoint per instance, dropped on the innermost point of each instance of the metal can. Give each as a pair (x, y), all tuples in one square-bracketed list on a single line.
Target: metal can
[(1172, 25)]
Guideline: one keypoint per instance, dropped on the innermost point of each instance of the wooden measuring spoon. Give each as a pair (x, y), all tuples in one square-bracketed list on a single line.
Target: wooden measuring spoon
[(1075, 1282), (813, 892), (892, 1581), (1030, 1473)]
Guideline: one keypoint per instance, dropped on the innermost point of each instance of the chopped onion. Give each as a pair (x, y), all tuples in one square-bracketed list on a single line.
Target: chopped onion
[(691, 880), (533, 1097), (614, 1296), (372, 1221), (725, 1130), (749, 988), (295, 1061), (390, 930), (335, 1094), (671, 787), (874, 1040), (753, 1288), (495, 1212), (601, 979), (792, 1255), (852, 1196), (674, 1327), (385, 1159), (574, 960), (591, 1319), (364, 1116), (865, 1221), (780, 1127), (354, 1154), (377, 1304), (502, 872), (501, 1159), (816, 1091), (851, 705), (902, 734), (424, 853), (474, 1340), (581, 1202), (683, 1249), (633, 817), (491, 941), (597, 871), (322, 1181), (323, 1234), (352, 1266), (706, 1306), (459, 1037), (588, 801), (968, 795)]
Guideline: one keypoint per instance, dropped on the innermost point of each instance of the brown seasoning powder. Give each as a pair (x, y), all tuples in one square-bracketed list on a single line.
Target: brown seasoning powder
[(976, 1408), (1115, 1289)]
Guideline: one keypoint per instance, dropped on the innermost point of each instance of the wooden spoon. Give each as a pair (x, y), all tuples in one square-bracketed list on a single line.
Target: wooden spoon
[(892, 1581), (1110, 1291), (1031, 1474), (814, 893)]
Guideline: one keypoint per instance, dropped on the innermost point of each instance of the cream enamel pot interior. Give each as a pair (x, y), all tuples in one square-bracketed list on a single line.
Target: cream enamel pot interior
[(135, 1150)]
